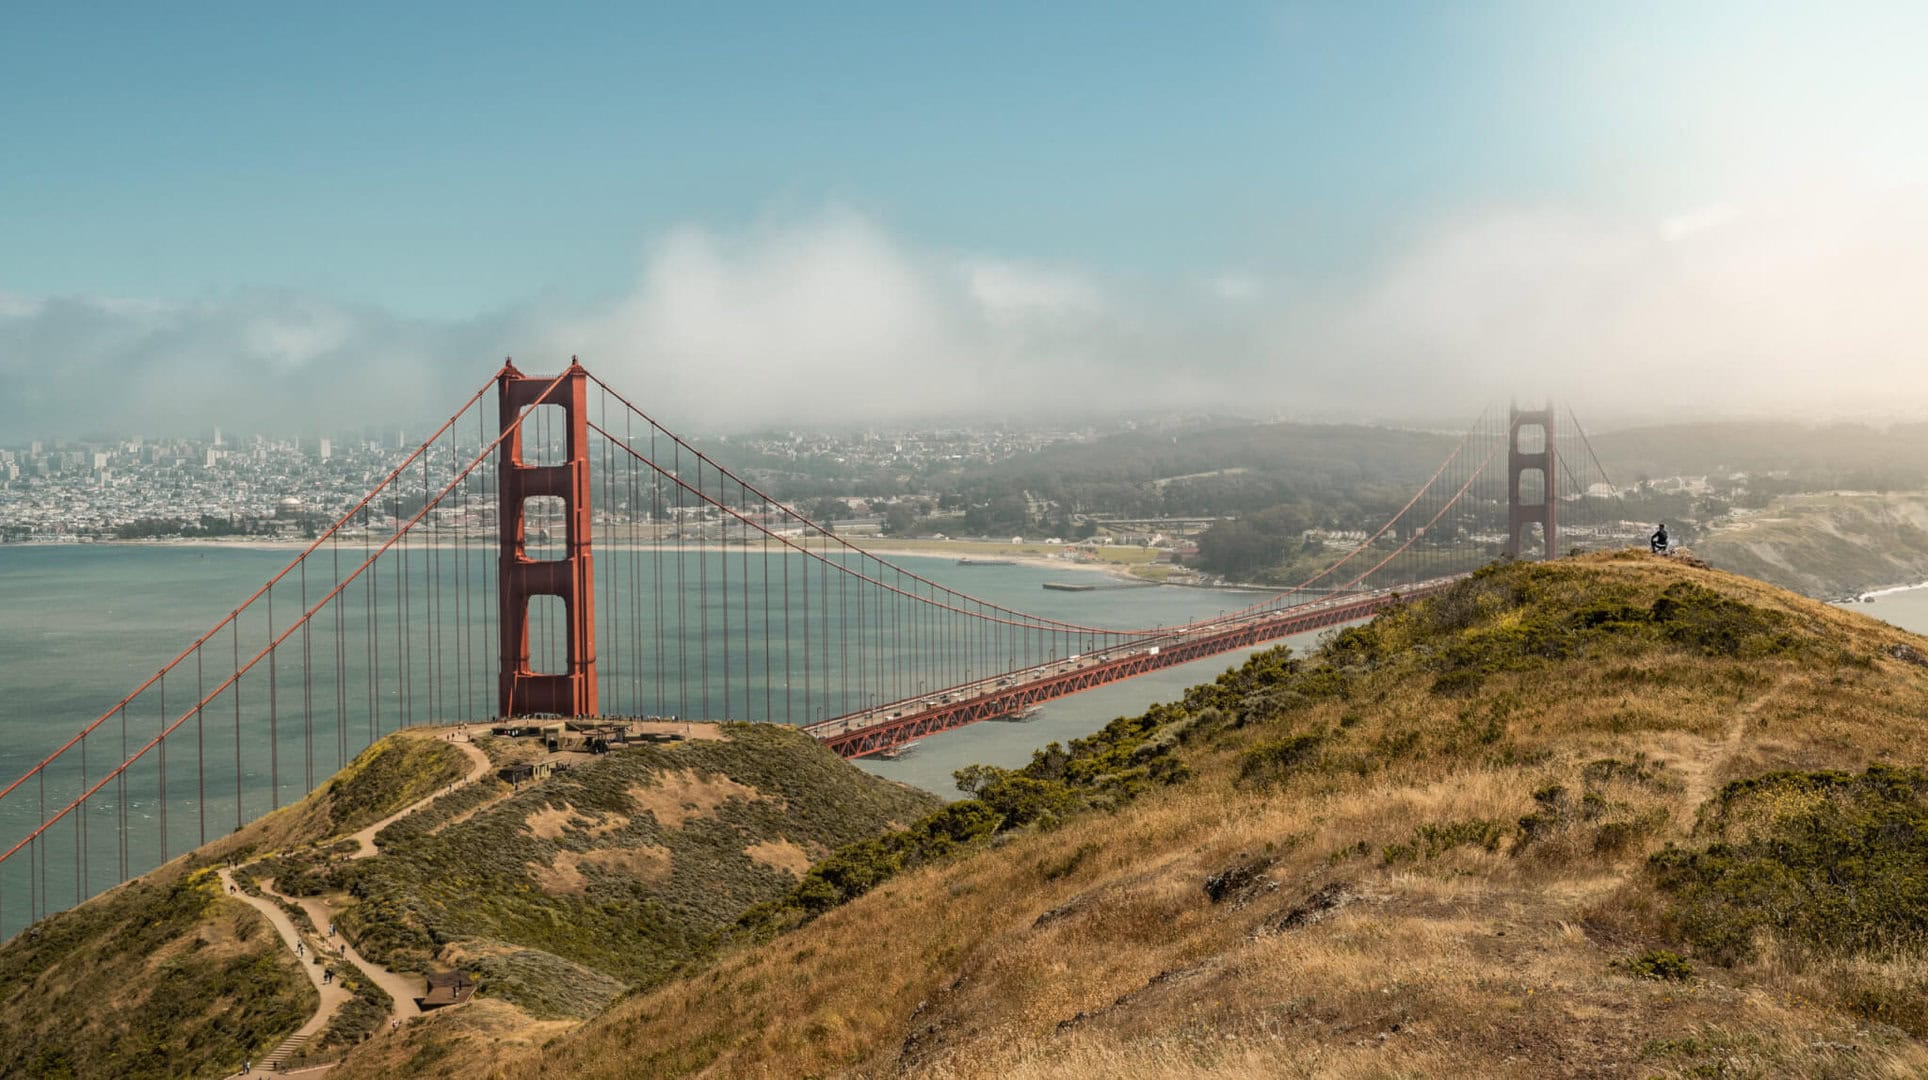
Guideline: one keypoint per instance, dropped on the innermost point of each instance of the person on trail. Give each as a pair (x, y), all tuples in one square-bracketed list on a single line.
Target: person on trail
[(1658, 541)]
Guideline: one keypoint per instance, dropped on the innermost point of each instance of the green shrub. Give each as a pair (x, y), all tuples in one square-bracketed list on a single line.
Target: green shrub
[(1272, 759), (389, 775), (1701, 619), (1430, 841), (1661, 965), (1831, 859)]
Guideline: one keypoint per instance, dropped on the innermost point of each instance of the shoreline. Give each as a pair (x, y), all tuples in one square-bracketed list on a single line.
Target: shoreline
[(1889, 590), (1120, 571)]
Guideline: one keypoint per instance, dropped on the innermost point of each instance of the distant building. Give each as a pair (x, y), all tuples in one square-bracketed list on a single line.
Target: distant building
[(447, 988), (526, 771)]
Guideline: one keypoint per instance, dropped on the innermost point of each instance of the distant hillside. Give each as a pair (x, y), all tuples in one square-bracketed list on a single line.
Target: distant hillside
[(1828, 545), (1779, 456), (1616, 816), (1333, 469)]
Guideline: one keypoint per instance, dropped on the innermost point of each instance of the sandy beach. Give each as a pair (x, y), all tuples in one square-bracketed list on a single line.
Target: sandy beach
[(921, 549)]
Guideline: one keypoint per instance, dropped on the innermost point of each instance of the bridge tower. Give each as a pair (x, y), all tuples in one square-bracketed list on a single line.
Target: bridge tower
[(1530, 463), (571, 692)]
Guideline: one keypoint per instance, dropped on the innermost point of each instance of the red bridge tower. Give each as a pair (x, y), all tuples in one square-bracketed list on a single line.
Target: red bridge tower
[(1529, 451), (571, 692)]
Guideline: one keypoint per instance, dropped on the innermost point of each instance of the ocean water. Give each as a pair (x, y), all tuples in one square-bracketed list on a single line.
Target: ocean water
[(82, 625), (1906, 608)]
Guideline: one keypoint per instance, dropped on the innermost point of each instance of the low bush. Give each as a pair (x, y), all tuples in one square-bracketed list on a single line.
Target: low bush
[(1829, 859), (1660, 965)]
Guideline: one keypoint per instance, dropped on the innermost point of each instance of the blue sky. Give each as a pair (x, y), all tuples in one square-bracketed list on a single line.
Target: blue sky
[(452, 158), (448, 165)]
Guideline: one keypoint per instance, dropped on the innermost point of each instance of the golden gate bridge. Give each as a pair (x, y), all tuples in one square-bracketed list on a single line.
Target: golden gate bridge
[(557, 552)]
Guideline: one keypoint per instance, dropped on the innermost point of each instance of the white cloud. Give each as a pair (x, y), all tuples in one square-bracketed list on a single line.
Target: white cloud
[(1235, 288), (1681, 226), (1808, 304), (1008, 290), (832, 320), (14, 306)]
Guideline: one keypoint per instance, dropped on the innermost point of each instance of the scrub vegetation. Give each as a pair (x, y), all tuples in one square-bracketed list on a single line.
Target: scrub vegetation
[(159, 978), (165, 976), (612, 874), (1605, 817)]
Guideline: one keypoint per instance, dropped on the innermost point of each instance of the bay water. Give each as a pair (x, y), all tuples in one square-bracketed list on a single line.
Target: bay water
[(82, 625)]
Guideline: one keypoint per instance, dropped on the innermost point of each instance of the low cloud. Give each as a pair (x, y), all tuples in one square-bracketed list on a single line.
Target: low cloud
[(1807, 305)]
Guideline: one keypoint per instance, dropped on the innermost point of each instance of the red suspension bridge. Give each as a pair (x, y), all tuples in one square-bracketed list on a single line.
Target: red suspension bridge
[(570, 556)]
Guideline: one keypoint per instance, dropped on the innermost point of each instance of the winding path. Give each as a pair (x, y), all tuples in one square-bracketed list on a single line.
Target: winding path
[(401, 989), (333, 994), (477, 770)]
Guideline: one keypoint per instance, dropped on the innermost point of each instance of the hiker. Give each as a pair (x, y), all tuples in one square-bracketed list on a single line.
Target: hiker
[(247, 1065), (1658, 541)]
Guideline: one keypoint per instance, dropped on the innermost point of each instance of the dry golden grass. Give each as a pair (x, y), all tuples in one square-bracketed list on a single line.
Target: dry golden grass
[(677, 797), (564, 874), (442, 1043), (551, 822), (781, 855), (1506, 962)]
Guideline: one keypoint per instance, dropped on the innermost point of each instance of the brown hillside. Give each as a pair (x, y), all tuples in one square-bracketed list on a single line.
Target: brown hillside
[(1564, 821)]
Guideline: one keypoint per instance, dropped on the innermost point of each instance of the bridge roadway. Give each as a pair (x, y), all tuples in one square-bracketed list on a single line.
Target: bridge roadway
[(885, 727)]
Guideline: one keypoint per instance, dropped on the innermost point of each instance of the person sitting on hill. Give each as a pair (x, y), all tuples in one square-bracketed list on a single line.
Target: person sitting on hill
[(1658, 541)]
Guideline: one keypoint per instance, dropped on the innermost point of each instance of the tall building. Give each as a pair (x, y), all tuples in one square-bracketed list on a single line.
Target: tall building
[(327, 449)]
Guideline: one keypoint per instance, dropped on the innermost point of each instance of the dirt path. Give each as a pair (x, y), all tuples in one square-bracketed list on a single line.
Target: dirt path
[(400, 988), (403, 988), (478, 769), (333, 994), (1701, 769)]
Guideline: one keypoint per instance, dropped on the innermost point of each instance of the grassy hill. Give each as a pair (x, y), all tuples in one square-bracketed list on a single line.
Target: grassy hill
[(557, 897), (1615, 816), (611, 875), (166, 976)]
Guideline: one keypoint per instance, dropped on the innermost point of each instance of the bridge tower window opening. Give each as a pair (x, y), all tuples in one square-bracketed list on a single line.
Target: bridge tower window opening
[(545, 528), (1530, 487), (548, 622), (544, 438)]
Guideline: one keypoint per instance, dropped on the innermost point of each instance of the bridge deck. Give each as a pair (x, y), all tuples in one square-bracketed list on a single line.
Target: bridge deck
[(886, 727)]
